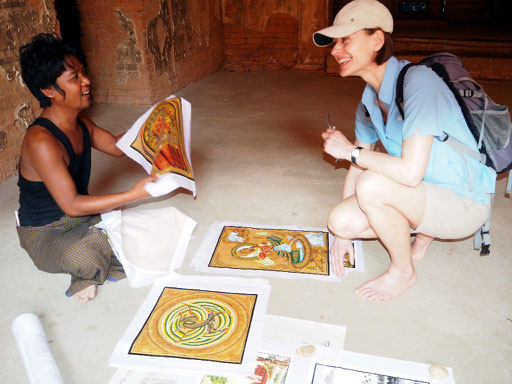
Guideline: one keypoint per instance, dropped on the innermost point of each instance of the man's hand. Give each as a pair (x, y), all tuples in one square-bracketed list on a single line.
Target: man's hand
[(339, 249), (337, 145), (138, 190)]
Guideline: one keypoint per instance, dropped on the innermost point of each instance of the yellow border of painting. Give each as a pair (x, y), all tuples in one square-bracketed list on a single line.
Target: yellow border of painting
[(222, 256), (231, 350), (141, 146)]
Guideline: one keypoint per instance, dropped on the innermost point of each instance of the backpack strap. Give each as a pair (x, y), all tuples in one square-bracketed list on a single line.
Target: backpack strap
[(455, 144), (482, 238), (508, 189), (399, 94), (366, 114)]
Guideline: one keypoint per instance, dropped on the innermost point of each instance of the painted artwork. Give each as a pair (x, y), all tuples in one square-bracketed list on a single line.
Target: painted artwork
[(161, 141), (270, 369), (327, 374), (281, 250), (197, 324)]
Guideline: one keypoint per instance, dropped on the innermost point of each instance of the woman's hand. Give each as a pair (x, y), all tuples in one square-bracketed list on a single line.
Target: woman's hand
[(339, 249), (337, 145)]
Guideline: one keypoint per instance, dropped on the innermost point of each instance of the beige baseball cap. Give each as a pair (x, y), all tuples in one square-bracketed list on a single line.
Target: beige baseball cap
[(356, 15)]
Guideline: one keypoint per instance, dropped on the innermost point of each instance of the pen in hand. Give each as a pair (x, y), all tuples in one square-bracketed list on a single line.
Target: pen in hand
[(331, 127)]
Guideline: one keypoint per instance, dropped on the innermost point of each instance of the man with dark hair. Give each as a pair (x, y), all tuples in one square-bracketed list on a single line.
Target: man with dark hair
[(57, 216)]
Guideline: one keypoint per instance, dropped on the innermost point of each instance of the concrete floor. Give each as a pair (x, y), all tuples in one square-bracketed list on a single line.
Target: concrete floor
[(257, 157)]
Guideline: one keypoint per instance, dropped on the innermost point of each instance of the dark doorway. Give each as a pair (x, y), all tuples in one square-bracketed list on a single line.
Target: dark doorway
[(69, 21)]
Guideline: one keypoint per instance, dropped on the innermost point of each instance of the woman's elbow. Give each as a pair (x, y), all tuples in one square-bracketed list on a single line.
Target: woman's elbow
[(413, 178)]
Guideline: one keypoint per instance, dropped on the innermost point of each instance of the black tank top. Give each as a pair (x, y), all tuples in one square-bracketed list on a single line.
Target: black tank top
[(37, 206)]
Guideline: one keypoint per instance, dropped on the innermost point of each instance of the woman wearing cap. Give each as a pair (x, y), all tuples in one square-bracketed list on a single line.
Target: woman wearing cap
[(421, 183)]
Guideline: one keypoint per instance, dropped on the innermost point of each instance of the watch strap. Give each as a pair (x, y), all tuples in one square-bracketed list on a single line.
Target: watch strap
[(353, 155)]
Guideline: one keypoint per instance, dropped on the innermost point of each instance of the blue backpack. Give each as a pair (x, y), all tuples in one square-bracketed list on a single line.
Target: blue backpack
[(488, 122)]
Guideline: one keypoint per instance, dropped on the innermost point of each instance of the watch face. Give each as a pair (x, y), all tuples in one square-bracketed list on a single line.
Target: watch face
[(354, 154)]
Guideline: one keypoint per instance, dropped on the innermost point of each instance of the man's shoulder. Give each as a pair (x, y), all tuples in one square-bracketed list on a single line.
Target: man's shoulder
[(38, 138)]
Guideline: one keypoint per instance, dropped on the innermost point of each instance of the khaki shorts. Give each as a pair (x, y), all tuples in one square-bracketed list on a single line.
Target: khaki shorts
[(449, 216)]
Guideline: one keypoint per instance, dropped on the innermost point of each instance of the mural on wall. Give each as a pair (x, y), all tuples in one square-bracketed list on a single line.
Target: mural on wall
[(20, 20), (273, 36), (128, 55), (178, 27)]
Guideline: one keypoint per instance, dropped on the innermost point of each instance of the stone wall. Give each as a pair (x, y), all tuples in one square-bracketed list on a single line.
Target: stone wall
[(272, 35), (19, 20), (140, 51)]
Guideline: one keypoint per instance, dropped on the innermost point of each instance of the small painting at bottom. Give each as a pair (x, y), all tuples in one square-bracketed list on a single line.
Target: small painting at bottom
[(329, 374), (270, 369)]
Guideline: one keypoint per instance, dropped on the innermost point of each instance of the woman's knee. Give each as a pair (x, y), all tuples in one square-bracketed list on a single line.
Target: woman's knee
[(370, 188), (345, 219), (337, 222)]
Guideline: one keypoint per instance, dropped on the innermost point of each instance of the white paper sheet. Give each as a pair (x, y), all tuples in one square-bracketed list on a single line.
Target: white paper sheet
[(304, 331), (130, 376), (162, 237), (121, 357), (276, 329), (329, 366), (205, 251), (170, 181), (338, 367), (35, 351)]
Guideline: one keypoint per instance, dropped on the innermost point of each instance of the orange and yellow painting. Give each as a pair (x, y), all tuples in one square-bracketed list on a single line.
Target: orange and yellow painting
[(197, 324), (283, 250), (161, 141)]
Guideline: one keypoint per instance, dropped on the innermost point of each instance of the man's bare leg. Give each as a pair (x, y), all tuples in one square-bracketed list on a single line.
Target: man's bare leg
[(391, 208), (87, 294), (420, 245)]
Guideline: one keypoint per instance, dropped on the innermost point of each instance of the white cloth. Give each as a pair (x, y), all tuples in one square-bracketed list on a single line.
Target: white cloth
[(149, 243)]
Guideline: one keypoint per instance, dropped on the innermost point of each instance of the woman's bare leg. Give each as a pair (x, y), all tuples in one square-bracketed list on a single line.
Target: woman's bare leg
[(391, 209), (420, 245)]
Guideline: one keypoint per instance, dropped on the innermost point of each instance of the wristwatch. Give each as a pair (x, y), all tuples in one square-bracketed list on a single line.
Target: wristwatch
[(354, 154)]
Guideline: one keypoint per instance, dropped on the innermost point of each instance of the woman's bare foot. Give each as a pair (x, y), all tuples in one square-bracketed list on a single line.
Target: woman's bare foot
[(388, 285), (419, 246), (87, 294)]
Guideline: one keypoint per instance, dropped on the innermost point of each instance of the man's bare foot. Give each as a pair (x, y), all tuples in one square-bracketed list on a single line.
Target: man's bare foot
[(87, 294), (419, 246), (387, 286)]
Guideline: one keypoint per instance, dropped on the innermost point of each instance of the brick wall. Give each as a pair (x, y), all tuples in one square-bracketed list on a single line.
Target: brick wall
[(456, 10), (273, 35), (463, 10), (19, 20), (140, 51)]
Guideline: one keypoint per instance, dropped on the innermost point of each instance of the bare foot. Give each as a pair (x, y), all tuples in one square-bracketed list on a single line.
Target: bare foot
[(87, 294), (387, 286), (420, 245)]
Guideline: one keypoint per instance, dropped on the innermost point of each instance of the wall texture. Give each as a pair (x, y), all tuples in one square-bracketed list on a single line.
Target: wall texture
[(140, 51), (19, 20), (272, 35)]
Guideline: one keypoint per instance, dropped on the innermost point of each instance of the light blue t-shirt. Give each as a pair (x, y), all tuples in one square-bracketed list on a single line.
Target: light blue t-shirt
[(430, 108)]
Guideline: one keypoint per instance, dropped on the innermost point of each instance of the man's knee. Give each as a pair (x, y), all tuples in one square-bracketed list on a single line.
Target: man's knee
[(86, 263)]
